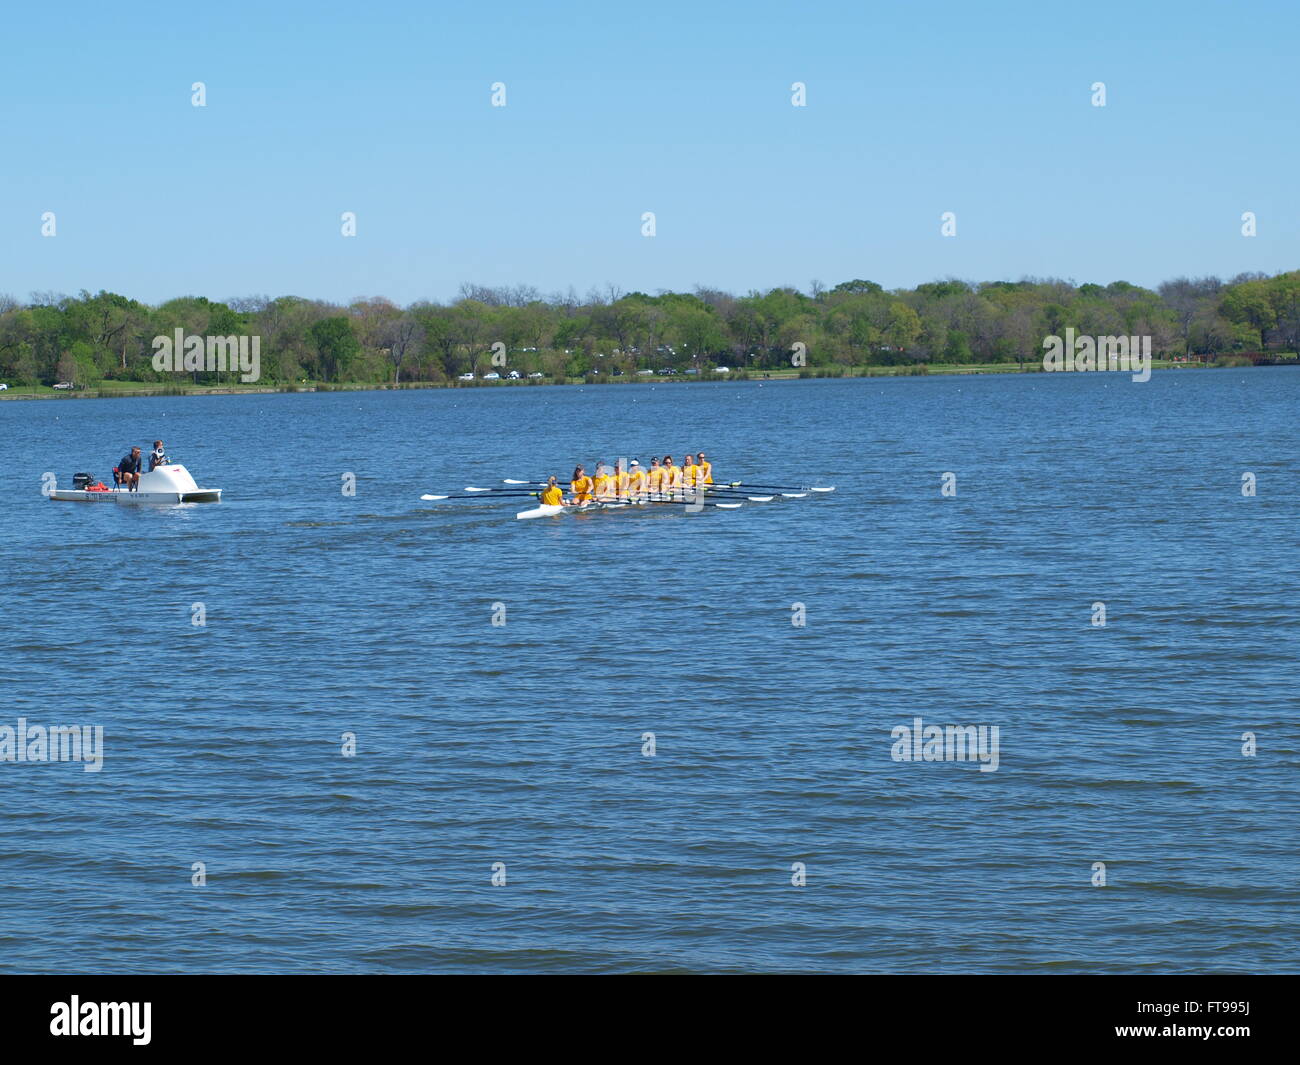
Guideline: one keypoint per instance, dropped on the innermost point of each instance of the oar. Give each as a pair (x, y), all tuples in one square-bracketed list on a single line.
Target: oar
[(693, 503), (463, 495), (721, 488), (762, 499), (780, 487), (733, 492)]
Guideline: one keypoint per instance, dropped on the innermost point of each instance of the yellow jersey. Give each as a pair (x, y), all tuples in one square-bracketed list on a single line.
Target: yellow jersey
[(672, 477), (552, 495), (603, 486), (656, 478), (704, 472), (581, 488), (637, 480), (621, 482), (688, 475)]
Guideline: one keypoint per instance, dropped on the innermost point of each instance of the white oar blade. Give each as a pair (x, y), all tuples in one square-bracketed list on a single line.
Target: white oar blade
[(511, 480), (728, 506), (471, 488), (830, 489), (760, 499), (430, 499), (794, 495)]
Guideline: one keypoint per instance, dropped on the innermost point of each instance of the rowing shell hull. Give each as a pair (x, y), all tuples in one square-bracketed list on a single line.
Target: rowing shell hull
[(546, 510), (551, 510)]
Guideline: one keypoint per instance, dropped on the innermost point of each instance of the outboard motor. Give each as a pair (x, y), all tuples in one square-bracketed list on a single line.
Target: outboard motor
[(82, 481)]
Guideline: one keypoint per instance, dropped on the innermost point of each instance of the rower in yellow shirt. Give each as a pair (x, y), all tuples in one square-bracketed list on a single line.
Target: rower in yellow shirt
[(688, 471), (636, 480), (703, 470), (603, 484), (672, 476), (621, 479), (552, 494), (581, 486), (655, 478)]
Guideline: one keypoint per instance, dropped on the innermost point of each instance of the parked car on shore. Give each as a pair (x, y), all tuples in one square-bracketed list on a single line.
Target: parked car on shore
[(64, 386), (491, 377), (462, 377)]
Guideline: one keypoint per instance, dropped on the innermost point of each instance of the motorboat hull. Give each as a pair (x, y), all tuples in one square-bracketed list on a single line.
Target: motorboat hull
[(121, 495), (165, 484)]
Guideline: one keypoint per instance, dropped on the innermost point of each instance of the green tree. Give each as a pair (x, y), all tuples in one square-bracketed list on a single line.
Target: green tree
[(904, 326), (336, 346)]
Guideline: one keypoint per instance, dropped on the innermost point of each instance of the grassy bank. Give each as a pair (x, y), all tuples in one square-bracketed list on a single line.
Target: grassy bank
[(124, 389)]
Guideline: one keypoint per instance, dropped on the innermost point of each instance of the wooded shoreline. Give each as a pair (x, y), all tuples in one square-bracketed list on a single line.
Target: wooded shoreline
[(109, 341), (124, 389)]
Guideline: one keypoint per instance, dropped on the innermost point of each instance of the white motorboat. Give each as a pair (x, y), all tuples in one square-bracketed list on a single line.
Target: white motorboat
[(165, 484)]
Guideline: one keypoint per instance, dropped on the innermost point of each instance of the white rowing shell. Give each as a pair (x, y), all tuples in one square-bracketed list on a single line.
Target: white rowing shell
[(546, 510)]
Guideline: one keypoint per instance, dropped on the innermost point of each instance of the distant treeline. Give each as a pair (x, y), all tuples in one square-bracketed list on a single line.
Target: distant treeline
[(89, 338)]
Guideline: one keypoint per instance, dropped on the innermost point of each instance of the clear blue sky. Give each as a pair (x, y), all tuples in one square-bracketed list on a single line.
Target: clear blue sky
[(683, 109)]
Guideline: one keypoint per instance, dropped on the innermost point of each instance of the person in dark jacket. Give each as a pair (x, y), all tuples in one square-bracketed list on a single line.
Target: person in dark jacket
[(128, 470)]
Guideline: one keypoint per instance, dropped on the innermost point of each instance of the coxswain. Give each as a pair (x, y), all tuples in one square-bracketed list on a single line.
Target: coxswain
[(552, 494)]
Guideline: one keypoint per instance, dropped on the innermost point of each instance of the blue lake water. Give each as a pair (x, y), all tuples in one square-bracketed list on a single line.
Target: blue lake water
[(522, 744)]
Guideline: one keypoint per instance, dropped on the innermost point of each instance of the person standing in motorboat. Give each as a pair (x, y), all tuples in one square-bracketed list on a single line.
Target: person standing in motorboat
[(157, 457), (128, 470)]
